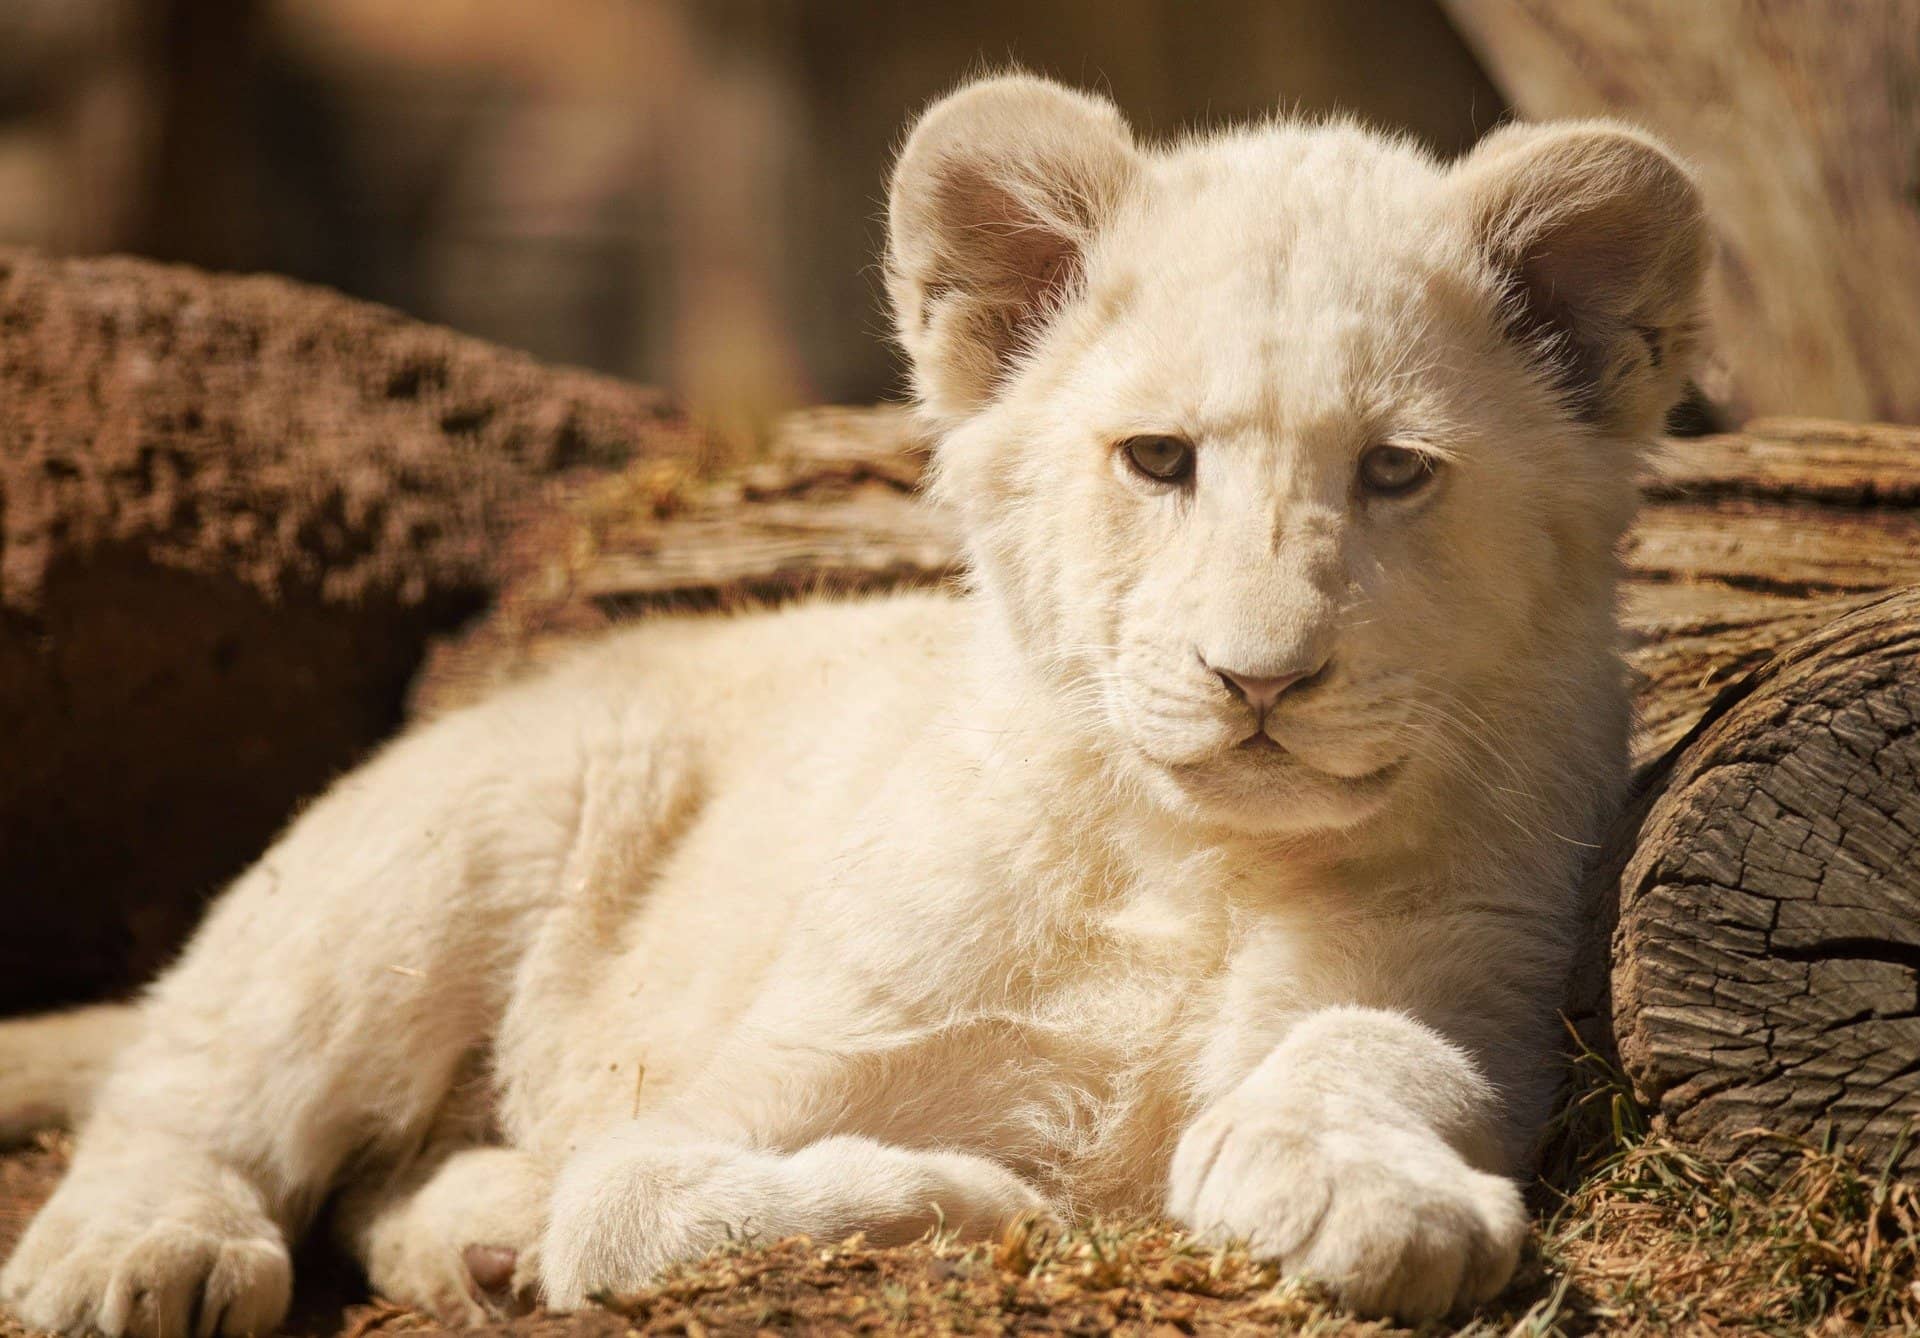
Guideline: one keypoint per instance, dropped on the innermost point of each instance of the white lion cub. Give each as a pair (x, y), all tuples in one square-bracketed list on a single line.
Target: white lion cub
[(1214, 854)]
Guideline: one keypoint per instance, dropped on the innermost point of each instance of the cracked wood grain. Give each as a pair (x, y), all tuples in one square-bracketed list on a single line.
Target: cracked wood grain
[(1766, 956)]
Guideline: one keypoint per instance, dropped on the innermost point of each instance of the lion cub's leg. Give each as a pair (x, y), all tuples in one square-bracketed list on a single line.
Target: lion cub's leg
[(320, 1013), (151, 1238), (629, 1206), (1362, 1152)]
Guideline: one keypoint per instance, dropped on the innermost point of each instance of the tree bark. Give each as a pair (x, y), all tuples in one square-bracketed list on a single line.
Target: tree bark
[(1761, 896)]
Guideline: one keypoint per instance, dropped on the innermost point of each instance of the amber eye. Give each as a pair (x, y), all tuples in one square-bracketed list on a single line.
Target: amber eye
[(1162, 459), (1394, 471)]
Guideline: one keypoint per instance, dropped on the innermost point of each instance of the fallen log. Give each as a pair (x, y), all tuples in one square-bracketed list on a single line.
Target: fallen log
[(1766, 947), (1745, 542), (1779, 688)]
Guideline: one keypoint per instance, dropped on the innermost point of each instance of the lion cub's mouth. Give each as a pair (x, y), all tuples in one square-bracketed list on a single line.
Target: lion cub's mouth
[(1376, 780), (1264, 745)]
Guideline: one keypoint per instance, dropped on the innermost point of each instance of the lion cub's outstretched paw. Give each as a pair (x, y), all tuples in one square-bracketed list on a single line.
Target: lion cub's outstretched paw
[(1394, 1221), (114, 1256), (632, 1205)]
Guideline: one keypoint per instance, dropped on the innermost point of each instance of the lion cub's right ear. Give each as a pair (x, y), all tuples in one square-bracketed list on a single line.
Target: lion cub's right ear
[(998, 193), (1601, 239)]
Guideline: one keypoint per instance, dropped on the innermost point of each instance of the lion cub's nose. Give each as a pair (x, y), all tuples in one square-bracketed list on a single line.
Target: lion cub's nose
[(1262, 691)]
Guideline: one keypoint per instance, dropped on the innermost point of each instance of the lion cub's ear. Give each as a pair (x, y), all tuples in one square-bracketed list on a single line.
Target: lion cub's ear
[(998, 192), (1604, 247)]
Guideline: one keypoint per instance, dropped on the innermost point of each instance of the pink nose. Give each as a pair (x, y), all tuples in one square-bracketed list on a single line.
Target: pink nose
[(1261, 692)]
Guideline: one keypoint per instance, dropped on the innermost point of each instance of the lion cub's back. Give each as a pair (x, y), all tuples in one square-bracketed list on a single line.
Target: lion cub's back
[(777, 684)]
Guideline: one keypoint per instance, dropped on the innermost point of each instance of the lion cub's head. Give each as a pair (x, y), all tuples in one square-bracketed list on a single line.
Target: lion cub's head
[(1294, 458)]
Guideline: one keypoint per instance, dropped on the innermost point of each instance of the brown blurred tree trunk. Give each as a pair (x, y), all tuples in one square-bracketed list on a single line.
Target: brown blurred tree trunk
[(200, 204)]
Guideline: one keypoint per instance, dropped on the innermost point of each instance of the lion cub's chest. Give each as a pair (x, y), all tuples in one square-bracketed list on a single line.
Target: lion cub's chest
[(1079, 1066)]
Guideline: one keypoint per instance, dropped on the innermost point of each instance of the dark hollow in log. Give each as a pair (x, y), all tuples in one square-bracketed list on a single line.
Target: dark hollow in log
[(1766, 958)]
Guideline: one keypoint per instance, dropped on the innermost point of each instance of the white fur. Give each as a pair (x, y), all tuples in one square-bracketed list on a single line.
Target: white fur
[(48, 1070), (855, 915)]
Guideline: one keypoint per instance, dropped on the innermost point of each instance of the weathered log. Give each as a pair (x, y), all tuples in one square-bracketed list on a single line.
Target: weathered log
[(1770, 664), (1799, 117), (1766, 953), (831, 507), (1750, 540)]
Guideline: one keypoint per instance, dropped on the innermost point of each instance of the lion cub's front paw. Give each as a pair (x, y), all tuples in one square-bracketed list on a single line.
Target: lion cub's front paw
[(1393, 1220), (117, 1258), (623, 1211)]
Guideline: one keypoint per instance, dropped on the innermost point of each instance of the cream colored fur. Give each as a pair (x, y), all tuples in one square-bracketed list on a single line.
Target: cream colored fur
[(867, 915)]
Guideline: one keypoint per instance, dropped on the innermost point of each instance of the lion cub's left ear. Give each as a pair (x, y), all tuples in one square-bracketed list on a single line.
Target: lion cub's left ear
[(997, 194), (1603, 245)]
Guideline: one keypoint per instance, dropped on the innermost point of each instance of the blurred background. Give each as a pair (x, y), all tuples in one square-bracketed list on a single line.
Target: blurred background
[(688, 194), (235, 517)]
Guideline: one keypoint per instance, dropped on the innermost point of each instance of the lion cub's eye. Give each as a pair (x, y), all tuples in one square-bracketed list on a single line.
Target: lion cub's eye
[(1394, 471), (1162, 459)]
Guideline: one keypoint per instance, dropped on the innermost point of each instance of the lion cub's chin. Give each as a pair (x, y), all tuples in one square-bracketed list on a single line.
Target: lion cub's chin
[(1263, 789)]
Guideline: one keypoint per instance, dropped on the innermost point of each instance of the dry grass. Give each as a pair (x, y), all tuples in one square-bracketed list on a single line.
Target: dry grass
[(1793, 1239), (1790, 1239), (1646, 1238), (1654, 1241)]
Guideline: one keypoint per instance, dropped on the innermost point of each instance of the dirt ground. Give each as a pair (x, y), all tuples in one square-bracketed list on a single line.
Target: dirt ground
[(1647, 1238), (1141, 1280)]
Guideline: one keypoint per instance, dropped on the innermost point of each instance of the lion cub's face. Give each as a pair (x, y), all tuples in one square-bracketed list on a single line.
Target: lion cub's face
[(1288, 453)]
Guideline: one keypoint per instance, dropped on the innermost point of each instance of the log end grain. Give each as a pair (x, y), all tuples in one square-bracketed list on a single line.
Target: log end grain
[(1767, 951)]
